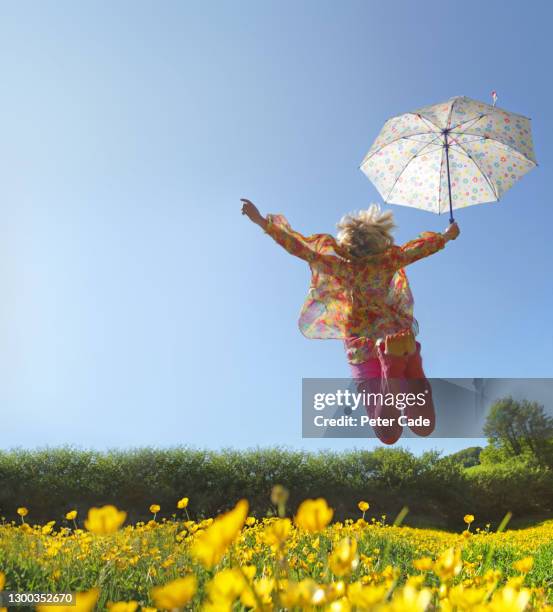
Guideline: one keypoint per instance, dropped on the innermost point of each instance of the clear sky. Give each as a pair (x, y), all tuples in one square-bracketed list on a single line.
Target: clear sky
[(139, 307)]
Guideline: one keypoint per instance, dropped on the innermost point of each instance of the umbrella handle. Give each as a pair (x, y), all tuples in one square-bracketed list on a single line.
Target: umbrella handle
[(446, 146)]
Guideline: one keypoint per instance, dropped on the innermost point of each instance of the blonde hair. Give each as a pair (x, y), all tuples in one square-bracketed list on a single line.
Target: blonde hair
[(366, 232)]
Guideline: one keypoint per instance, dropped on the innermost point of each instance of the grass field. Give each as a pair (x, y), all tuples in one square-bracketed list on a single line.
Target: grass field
[(307, 561)]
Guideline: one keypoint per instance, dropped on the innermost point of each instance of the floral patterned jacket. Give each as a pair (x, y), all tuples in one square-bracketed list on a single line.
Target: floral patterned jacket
[(357, 300)]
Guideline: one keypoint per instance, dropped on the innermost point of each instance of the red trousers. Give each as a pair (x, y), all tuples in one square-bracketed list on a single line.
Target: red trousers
[(391, 374)]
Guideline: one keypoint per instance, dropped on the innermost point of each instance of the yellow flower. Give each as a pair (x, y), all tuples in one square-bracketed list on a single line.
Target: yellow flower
[(175, 594), (48, 527), (339, 605), (2, 580), (366, 597), (84, 602), (105, 520), (313, 515), (363, 506), (154, 508), (462, 598), (301, 594), (277, 531), (71, 515), (424, 564), (123, 606), (182, 503), (279, 495), (210, 544), (448, 564), (335, 590), (344, 559), (225, 587), (468, 518), (492, 576), (410, 598), (509, 599), (251, 520), (524, 565), (263, 589), (22, 511)]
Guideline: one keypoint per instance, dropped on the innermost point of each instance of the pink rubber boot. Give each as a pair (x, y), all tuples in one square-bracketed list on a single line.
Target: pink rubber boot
[(369, 379), (418, 383), (393, 381)]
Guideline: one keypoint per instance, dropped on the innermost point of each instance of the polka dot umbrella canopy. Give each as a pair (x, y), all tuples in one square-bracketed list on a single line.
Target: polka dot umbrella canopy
[(450, 155)]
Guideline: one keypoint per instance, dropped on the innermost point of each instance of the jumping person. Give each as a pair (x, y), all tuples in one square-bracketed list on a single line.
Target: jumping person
[(360, 293)]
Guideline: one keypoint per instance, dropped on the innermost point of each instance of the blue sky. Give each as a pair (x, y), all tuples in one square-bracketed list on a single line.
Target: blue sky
[(139, 307)]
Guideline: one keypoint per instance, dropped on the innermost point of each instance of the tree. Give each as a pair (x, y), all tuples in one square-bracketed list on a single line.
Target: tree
[(468, 457), (521, 427)]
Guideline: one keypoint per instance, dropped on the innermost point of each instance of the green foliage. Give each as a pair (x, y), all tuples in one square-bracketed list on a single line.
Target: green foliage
[(468, 457), (515, 485), (519, 427), (492, 455), (438, 490)]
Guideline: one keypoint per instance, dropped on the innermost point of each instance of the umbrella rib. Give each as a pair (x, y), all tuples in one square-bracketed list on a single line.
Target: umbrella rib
[(492, 187), (427, 121), (474, 119), (405, 167), (476, 138), (511, 150), (367, 157), (418, 115), (450, 113), (411, 137)]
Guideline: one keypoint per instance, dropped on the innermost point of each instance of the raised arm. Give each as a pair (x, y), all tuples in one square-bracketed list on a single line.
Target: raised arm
[(426, 244), (303, 247)]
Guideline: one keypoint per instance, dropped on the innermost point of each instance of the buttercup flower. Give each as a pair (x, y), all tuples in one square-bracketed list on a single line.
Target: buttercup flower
[(84, 602), (424, 564), (123, 606), (226, 587), (277, 532), (524, 565), (210, 544), (182, 503), (175, 594), (448, 564), (105, 520), (279, 495), (344, 559), (313, 515), (509, 599)]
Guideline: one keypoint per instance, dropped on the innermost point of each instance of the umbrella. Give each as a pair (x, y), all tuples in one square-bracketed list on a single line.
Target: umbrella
[(450, 155)]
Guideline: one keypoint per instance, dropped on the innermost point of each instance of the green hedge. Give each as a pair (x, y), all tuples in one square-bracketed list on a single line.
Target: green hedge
[(438, 490)]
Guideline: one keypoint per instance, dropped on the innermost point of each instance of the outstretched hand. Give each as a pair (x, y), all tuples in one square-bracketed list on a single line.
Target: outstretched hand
[(452, 231), (251, 211)]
